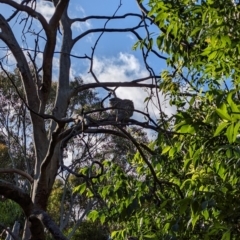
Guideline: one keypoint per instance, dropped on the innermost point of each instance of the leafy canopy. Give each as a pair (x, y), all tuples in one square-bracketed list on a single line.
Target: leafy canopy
[(197, 160)]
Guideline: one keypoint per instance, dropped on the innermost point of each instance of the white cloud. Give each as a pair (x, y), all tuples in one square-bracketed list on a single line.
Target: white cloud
[(10, 59), (72, 73), (124, 68), (80, 26), (131, 36), (46, 9), (80, 9)]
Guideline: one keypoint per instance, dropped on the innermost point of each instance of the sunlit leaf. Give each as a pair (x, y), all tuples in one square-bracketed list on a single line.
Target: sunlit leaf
[(226, 235), (220, 127), (223, 114), (229, 133)]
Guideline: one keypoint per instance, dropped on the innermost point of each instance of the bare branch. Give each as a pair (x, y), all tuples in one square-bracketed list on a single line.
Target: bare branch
[(95, 45), (16, 194), (105, 30), (61, 6), (29, 11), (47, 60), (112, 84), (18, 171), (106, 17)]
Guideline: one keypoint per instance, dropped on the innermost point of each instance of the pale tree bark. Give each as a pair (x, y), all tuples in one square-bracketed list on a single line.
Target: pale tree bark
[(46, 148)]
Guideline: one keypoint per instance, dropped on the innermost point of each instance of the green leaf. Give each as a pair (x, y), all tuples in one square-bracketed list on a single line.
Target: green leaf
[(229, 133), (166, 149), (93, 215), (147, 99), (205, 214), (150, 236), (184, 205), (229, 97), (195, 158), (90, 193), (226, 39), (175, 30), (82, 187), (221, 171), (223, 113), (160, 41), (220, 127), (187, 129), (172, 151), (235, 131), (187, 162), (102, 218), (190, 181), (115, 233), (135, 46), (226, 235), (167, 226), (204, 16), (212, 55), (195, 30), (194, 207), (194, 219), (233, 105)]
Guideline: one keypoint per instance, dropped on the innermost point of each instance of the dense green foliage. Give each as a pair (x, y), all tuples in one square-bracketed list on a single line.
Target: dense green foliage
[(91, 230), (191, 190)]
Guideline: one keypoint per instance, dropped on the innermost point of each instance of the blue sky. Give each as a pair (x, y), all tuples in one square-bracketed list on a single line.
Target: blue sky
[(117, 42), (114, 59)]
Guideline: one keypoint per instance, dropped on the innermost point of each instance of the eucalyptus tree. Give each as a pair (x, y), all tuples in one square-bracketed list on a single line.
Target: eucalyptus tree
[(52, 127)]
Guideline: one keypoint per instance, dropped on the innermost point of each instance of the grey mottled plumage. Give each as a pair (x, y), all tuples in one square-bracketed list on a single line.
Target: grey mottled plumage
[(123, 109)]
